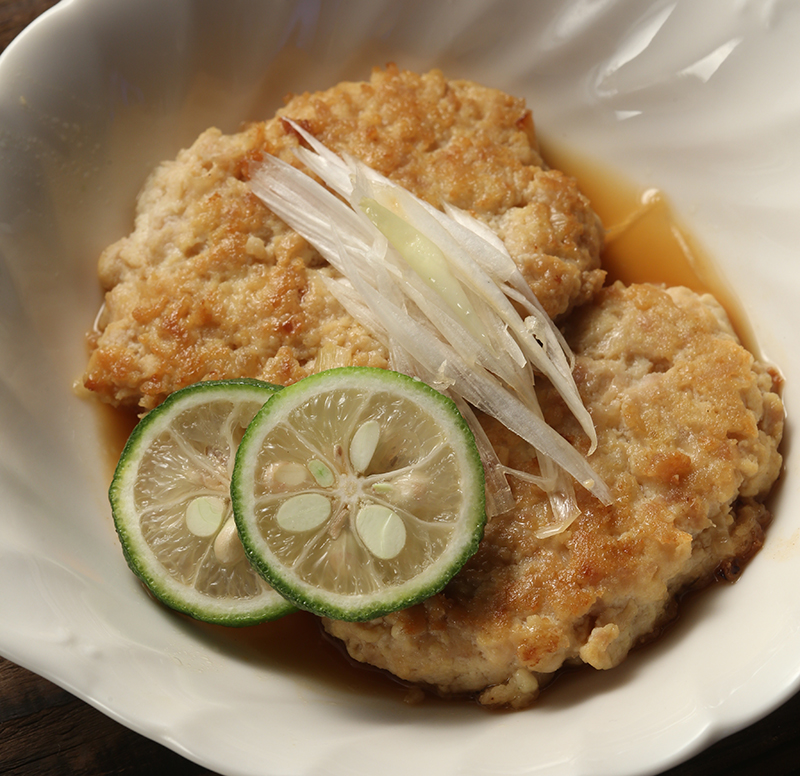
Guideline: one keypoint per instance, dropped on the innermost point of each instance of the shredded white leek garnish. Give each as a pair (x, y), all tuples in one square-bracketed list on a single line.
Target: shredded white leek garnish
[(440, 290)]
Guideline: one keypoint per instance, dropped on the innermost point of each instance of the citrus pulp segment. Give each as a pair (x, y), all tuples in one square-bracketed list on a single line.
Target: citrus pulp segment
[(170, 497), (358, 491)]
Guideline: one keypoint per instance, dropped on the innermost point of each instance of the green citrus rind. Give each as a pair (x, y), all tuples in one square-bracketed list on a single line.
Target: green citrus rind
[(146, 519)]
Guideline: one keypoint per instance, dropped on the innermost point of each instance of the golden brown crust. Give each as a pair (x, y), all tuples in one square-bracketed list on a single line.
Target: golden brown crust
[(210, 284), (688, 428)]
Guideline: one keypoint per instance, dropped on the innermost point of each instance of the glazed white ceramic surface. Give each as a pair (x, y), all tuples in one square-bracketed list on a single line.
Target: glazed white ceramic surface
[(699, 99)]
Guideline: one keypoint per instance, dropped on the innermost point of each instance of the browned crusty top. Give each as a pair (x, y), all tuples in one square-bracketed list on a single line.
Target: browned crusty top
[(210, 284)]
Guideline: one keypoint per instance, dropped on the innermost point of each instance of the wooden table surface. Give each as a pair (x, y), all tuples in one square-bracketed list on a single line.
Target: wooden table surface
[(45, 731)]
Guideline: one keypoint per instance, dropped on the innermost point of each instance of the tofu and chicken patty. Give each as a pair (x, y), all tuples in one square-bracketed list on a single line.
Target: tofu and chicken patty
[(688, 425), (210, 285)]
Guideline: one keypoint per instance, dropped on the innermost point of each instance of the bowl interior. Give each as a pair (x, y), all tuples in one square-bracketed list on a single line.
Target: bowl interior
[(95, 94)]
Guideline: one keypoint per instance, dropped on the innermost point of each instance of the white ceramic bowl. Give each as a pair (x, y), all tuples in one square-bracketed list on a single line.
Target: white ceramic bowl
[(698, 99)]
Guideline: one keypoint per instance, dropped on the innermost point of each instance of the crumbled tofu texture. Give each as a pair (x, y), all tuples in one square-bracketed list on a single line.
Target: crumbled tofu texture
[(210, 284), (688, 426)]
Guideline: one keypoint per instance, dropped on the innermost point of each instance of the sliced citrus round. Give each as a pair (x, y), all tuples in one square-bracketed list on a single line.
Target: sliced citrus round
[(358, 491), (170, 497)]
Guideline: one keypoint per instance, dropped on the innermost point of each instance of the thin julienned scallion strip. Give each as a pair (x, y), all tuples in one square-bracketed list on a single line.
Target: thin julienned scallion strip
[(442, 299)]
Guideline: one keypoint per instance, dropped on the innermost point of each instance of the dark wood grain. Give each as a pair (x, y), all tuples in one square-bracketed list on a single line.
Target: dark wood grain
[(46, 731), (15, 15)]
